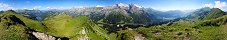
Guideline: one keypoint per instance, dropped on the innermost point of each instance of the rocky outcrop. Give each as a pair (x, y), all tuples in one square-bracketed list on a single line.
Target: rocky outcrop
[(138, 37), (84, 37), (42, 36), (133, 8)]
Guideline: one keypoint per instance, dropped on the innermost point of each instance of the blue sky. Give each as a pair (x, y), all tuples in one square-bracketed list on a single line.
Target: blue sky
[(155, 4)]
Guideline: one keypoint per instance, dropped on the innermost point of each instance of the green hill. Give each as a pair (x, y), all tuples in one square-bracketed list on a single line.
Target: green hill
[(63, 25), (16, 26), (19, 26), (184, 30), (206, 14), (214, 13), (198, 14), (215, 22), (211, 27), (11, 28)]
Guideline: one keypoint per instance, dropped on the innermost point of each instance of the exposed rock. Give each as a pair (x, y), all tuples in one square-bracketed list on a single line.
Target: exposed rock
[(83, 31), (42, 36), (84, 36), (138, 37)]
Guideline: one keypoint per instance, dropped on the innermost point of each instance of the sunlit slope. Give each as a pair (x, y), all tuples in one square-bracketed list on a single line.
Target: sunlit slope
[(212, 26), (79, 27), (60, 25), (11, 28), (215, 22), (180, 31), (206, 14), (214, 13), (33, 24)]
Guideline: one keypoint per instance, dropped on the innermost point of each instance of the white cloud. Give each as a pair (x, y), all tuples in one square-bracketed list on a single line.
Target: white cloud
[(48, 7), (4, 6), (59, 8), (36, 7), (24, 8), (208, 5), (51, 7), (217, 4), (80, 6), (98, 6)]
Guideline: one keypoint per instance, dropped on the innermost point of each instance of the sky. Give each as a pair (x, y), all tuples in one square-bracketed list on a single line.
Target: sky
[(164, 5)]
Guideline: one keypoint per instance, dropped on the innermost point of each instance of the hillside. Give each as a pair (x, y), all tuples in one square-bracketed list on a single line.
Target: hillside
[(14, 26), (214, 13), (203, 24), (205, 14), (80, 27)]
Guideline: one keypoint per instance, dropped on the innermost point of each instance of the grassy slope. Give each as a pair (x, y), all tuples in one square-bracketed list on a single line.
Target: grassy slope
[(33, 24), (63, 25), (215, 13), (13, 32), (215, 22), (9, 30), (184, 30), (206, 15)]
